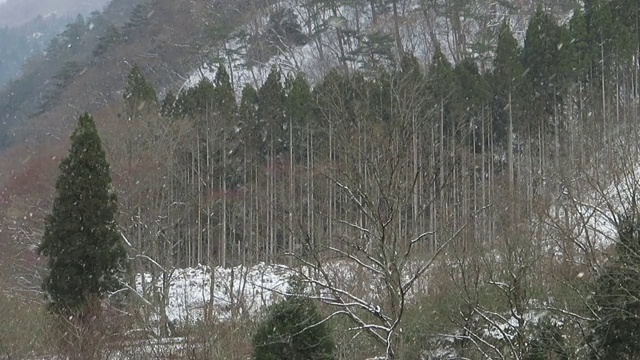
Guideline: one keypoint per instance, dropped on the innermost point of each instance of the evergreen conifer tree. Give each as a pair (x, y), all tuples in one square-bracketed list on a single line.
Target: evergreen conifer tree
[(85, 252), (138, 18), (507, 80), (271, 107), (298, 98), (293, 331), (224, 106), (617, 298), (248, 118), (138, 94), (541, 55), (580, 43), (440, 87), (168, 107), (110, 37), (298, 108)]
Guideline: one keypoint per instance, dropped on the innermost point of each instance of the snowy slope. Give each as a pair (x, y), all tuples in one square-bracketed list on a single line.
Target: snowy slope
[(247, 290)]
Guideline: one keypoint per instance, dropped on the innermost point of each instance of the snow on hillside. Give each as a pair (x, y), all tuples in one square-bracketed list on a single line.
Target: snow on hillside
[(246, 289), (594, 213), (314, 62)]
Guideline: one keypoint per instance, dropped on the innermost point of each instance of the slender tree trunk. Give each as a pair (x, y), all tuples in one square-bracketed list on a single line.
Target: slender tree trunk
[(510, 145)]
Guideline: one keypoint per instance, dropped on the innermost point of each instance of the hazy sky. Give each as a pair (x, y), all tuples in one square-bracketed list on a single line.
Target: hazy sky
[(15, 12)]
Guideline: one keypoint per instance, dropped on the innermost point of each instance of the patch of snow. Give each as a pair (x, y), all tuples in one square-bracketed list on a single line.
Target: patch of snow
[(235, 289)]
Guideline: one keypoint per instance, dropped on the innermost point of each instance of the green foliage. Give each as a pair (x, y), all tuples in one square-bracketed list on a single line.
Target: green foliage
[(168, 106), (617, 290), (541, 55), (248, 119), (473, 96), (298, 99), (72, 38), (59, 82), (375, 49), (196, 100), (507, 81), (293, 331), (548, 343), (81, 240), (284, 28), (110, 37), (138, 93), (580, 43), (224, 106), (19, 43), (441, 86), (271, 108), (139, 16)]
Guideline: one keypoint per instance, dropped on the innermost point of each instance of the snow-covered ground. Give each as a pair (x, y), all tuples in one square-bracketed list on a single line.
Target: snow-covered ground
[(237, 290), (247, 290)]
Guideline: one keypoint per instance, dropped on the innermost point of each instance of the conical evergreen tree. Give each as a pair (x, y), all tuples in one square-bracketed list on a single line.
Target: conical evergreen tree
[(507, 81), (441, 87), (298, 99), (224, 105), (271, 107), (580, 43), (138, 94), (298, 109), (541, 56), (168, 107), (250, 130), (81, 240)]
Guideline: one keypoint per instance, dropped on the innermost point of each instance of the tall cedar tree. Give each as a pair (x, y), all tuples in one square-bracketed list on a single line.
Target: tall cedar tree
[(138, 94), (298, 110), (440, 88), (81, 240), (507, 81), (248, 118), (271, 107), (225, 117), (617, 295), (541, 55)]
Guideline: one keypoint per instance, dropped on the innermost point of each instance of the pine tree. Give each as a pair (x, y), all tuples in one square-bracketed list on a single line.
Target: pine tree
[(110, 37), (81, 240), (617, 294), (138, 94), (138, 18), (293, 331)]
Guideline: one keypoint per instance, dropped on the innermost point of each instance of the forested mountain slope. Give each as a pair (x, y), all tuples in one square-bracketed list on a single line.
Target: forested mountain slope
[(456, 176)]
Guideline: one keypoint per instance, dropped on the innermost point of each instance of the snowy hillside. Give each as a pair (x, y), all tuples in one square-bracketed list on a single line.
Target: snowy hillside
[(321, 52), (245, 289)]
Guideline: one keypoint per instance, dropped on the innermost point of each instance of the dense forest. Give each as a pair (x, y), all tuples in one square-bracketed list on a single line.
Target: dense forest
[(449, 206)]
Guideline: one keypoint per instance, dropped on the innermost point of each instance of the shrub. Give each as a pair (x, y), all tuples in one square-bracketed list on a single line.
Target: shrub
[(293, 330)]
